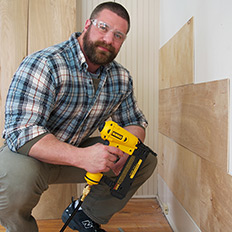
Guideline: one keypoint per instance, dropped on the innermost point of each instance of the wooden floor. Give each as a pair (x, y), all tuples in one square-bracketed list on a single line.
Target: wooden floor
[(139, 215)]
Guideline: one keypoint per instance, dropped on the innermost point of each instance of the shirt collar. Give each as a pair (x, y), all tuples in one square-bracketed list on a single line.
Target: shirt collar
[(81, 62)]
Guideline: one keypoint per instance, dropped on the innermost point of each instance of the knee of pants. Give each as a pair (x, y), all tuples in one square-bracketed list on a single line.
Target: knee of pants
[(21, 181), (149, 166)]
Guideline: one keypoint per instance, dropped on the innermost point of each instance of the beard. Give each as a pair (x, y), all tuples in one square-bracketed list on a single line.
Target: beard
[(96, 56)]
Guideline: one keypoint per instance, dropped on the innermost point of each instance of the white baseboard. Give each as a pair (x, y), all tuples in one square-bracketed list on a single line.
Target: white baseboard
[(177, 216)]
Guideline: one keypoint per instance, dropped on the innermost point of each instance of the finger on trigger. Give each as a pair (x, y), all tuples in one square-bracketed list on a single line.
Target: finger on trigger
[(116, 151)]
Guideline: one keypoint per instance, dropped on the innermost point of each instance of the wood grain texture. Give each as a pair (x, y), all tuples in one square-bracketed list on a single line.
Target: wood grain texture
[(13, 45), (196, 116), (176, 66), (179, 168), (216, 198), (50, 22)]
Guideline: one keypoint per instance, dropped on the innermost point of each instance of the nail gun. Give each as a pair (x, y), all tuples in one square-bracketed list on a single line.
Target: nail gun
[(119, 137)]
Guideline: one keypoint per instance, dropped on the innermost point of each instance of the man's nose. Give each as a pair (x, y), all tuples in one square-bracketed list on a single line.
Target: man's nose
[(109, 37)]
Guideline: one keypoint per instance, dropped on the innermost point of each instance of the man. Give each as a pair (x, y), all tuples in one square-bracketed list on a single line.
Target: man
[(58, 97)]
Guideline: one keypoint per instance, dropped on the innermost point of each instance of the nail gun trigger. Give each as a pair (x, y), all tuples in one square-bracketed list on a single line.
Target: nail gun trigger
[(118, 158)]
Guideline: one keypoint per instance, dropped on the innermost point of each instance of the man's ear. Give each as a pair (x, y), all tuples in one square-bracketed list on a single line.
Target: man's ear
[(87, 24)]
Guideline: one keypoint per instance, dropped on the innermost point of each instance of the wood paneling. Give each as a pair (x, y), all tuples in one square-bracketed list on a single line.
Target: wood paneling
[(179, 168), (50, 22), (176, 66), (196, 116), (13, 45), (216, 198), (193, 141)]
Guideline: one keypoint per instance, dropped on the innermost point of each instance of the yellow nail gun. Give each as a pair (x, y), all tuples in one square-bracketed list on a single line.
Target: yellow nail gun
[(119, 137)]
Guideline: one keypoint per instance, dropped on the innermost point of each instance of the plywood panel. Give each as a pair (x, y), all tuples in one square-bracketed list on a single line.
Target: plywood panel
[(50, 22), (176, 65), (179, 168), (215, 198), (13, 46), (196, 116)]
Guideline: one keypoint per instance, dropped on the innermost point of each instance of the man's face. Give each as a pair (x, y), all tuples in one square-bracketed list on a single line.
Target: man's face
[(101, 48), (95, 55)]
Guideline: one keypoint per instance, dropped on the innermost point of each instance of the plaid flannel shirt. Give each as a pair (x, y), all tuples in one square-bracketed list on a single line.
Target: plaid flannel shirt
[(53, 92)]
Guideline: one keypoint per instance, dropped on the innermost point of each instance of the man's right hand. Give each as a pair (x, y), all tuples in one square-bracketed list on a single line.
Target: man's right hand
[(99, 158)]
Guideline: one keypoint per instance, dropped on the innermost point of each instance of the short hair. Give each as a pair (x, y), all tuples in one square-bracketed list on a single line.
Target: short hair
[(114, 7)]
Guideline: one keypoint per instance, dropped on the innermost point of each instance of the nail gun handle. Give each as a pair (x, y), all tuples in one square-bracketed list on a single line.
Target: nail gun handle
[(93, 178)]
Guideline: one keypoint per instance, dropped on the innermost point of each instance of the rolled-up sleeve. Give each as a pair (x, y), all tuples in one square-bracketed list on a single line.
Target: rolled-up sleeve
[(29, 102), (128, 113)]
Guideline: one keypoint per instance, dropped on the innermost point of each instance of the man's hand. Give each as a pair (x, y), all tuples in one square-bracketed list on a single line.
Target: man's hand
[(117, 168), (100, 158)]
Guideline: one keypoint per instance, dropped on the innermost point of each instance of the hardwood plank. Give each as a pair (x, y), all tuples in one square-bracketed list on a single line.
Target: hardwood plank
[(139, 215)]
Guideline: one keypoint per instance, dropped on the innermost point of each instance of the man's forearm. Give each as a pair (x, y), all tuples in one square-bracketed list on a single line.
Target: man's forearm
[(138, 131), (50, 150), (95, 158)]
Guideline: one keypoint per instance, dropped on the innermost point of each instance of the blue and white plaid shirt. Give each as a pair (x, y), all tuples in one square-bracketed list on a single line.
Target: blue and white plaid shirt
[(53, 92)]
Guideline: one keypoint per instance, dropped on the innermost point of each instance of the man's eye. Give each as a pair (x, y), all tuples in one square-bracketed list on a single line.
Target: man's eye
[(103, 27), (118, 35)]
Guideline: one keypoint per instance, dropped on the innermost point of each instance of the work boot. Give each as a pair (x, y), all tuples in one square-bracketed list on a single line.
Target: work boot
[(80, 221)]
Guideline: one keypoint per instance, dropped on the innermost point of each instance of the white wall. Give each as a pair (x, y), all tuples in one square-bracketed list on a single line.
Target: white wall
[(213, 33), (213, 36)]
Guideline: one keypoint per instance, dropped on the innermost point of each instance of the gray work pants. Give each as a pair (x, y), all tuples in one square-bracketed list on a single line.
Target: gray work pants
[(23, 179)]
